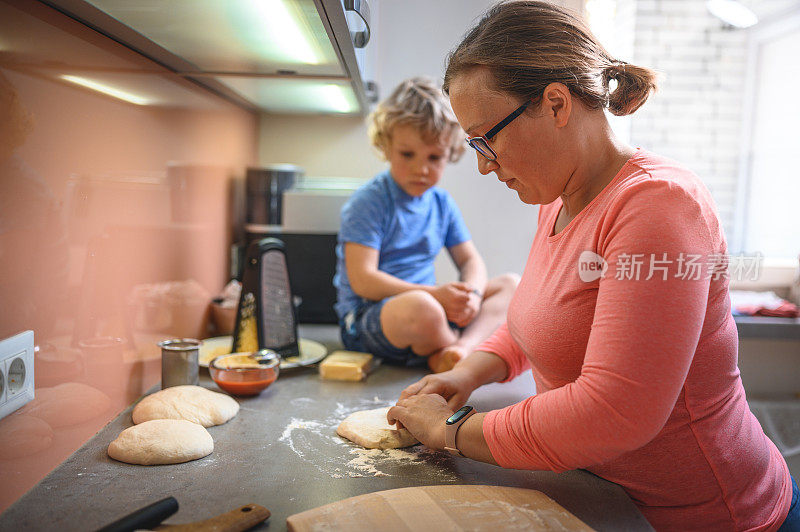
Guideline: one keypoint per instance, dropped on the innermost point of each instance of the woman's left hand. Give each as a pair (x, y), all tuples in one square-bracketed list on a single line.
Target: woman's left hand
[(424, 416)]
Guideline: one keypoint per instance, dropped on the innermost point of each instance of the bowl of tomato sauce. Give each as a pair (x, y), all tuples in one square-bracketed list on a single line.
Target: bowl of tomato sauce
[(245, 373)]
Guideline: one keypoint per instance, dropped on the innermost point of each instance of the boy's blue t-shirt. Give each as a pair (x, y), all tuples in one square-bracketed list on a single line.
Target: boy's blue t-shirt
[(408, 232)]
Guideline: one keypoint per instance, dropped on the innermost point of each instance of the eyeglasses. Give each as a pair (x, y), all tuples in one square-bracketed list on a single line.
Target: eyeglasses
[(481, 143)]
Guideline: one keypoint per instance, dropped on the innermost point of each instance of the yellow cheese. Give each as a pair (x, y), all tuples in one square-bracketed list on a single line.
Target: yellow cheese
[(248, 336), (346, 366), (238, 362)]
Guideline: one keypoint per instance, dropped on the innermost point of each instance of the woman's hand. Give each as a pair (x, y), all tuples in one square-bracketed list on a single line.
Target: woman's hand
[(424, 416), (454, 386)]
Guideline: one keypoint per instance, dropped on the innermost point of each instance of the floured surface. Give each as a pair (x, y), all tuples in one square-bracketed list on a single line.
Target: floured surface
[(191, 403), (161, 441), (476, 508), (315, 441), (369, 429)]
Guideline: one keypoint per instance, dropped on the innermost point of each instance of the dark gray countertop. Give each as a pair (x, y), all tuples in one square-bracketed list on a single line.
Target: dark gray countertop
[(282, 452), (765, 327)]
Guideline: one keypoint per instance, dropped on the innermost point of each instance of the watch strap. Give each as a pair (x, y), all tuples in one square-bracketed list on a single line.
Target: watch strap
[(451, 431)]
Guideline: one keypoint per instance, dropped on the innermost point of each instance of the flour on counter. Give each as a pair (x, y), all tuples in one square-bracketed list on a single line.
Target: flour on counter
[(316, 442), (298, 433), (514, 516)]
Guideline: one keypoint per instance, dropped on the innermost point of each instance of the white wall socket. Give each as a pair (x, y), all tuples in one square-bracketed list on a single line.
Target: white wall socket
[(16, 372)]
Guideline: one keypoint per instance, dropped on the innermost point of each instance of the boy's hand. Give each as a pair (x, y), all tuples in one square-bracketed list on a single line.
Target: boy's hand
[(454, 298), (469, 312)]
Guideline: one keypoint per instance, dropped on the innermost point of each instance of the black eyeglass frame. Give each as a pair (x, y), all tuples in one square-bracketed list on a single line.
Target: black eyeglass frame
[(478, 143)]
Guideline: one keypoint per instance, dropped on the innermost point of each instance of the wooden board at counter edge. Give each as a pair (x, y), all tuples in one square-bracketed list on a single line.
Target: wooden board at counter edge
[(439, 508)]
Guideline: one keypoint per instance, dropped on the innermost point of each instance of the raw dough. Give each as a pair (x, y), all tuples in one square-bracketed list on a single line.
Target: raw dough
[(161, 441), (192, 403), (71, 403), (369, 429), (22, 435)]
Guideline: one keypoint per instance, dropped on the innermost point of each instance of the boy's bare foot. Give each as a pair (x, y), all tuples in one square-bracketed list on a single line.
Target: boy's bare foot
[(445, 358)]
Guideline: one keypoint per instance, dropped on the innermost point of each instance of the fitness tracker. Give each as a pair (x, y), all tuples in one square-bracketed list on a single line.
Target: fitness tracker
[(452, 425)]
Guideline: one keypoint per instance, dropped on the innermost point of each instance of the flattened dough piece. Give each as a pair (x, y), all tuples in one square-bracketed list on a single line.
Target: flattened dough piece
[(369, 429), (68, 404), (161, 441), (192, 403)]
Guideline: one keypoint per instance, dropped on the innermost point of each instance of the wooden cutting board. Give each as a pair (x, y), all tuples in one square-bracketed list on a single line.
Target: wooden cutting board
[(440, 509)]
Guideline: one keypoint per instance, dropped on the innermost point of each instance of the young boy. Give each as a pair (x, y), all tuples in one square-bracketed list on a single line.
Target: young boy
[(392, 229)]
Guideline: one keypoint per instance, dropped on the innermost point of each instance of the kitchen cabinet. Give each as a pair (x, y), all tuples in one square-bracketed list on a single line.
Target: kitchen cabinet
[(40, 42), (311, 260), (283, 56)]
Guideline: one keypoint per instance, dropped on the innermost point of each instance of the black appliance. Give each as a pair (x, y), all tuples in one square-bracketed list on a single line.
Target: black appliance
[(302, 212), (311, 258), (265, 188)]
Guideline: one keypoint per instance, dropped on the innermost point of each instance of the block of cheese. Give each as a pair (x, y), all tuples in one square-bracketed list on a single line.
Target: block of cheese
[(346, 366)]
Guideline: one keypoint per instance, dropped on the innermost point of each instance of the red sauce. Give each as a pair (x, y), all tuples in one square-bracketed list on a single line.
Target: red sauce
[(235, 382)]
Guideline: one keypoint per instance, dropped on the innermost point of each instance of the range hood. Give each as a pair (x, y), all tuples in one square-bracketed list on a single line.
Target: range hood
[(280, 56)]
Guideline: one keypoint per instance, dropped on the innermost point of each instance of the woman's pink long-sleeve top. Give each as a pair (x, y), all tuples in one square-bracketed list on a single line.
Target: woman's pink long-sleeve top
[(635, 371)]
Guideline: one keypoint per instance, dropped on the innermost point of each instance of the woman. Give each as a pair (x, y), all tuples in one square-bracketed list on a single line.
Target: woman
[(622, 313)]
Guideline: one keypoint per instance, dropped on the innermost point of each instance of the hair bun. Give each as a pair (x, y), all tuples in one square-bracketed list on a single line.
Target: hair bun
[(633, 86), (615, 70)]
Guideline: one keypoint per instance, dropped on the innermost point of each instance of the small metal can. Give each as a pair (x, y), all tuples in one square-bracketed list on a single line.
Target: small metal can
[(179, 362)]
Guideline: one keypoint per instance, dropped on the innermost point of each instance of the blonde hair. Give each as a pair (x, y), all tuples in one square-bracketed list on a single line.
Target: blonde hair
[(417, 102), (528, 44)]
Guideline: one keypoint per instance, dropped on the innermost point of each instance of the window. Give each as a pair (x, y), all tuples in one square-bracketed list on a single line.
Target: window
[(768, 197)]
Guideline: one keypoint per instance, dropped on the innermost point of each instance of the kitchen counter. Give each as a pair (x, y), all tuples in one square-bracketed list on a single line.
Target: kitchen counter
[(281, 452), (766, 327)]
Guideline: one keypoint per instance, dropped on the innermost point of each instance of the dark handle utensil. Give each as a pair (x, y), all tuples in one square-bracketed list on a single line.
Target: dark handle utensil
[(144, 518)]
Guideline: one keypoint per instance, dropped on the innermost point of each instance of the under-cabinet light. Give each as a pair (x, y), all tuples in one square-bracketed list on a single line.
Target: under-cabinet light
[(732, 12), (279, 28), (336, 99), (105, 89)]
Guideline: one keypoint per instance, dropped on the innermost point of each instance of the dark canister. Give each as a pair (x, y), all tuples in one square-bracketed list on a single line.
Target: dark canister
[(265, 188)]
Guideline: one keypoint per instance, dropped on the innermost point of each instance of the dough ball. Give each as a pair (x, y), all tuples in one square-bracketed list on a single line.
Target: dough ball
[(192, 403), (369, 429), (161, 441), (71, 403), (22, 435)]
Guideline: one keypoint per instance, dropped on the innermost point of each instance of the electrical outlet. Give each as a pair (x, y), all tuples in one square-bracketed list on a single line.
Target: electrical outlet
[(2, 385), (16, 367)]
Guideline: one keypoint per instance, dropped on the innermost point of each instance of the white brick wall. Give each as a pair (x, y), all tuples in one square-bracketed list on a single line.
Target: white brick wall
[(696, 116)]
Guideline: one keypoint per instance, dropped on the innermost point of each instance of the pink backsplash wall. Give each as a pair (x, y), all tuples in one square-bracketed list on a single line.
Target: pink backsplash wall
[(115, 229)]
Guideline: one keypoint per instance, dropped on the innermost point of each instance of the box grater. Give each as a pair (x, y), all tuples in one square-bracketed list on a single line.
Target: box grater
[(266, 316)]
